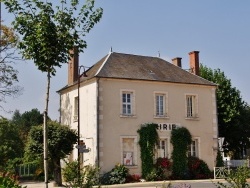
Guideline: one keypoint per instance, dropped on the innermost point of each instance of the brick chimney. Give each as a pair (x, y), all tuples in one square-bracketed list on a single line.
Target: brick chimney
[(177, 61), (194, 62), (73, 66)]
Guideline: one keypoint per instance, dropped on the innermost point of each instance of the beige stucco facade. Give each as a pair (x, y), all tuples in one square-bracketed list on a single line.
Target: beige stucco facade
[(105, 129)]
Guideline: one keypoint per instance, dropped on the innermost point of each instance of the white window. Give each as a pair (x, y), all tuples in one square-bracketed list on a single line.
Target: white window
[(127, 103), (162, 148), (75, 118), (160, 104), (129, 150), (191, 106), (193, 148)]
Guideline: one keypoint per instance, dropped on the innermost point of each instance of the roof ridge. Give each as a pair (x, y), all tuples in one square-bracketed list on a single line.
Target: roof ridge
[(104, 62)]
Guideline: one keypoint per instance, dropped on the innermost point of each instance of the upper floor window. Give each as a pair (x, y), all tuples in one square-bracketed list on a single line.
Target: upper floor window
[(75, 117), (160, 104), (127, 103), (191, 106)]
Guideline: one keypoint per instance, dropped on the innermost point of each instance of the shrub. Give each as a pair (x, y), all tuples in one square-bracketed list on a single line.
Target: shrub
[(163, 163), (198, 169), (7, 182), (236, 179), (89, 175), (163, 166), (117, 175), (219, 159), (133, 178)]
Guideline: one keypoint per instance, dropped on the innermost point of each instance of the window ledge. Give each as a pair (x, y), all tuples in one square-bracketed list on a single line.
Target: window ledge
[(131, 166), (161, 117), (192, 118), (127, 116)]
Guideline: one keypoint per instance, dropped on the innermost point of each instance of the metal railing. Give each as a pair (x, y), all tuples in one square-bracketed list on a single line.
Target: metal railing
[(221, 172), (28, 169)]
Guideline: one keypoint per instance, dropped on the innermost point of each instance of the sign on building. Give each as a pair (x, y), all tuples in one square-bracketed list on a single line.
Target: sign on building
[(167, 126)]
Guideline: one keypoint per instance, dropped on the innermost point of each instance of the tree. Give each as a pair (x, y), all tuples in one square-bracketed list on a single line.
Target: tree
[(60, 144), (49, 34), (25, 121), (10, 143), (8, 75), (230, 108)]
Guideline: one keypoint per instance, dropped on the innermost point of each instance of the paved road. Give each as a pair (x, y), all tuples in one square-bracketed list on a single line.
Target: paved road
[(193, 183)]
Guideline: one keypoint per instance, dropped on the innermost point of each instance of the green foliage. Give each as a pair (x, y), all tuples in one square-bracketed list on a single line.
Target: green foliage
[(89, 175), (60, 143), (10, 143), (60, 140), (8, 75), (219, 159), (233, 112), (7, 182), (148, 140), (229, 100), (117, 175), (50, 31), (236, 179), (25, 121), (163, 168), (180, 139), (198, 169), (70, 172)]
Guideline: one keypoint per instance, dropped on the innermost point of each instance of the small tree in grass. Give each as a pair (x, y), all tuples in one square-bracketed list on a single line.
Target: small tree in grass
[(60, 143), (219, 159)]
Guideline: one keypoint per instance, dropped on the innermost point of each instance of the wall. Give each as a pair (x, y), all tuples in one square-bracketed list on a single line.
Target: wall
[(113, 126), (88, 116)]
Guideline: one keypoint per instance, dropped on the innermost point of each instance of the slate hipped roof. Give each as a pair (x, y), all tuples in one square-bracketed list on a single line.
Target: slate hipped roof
[(137, 67)]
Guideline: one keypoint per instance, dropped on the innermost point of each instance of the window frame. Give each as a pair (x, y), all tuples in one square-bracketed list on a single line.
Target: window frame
[(194, 149), (75, 115), (131, 103), (167, 152), (164, 104), (134, 152), (191, 111)]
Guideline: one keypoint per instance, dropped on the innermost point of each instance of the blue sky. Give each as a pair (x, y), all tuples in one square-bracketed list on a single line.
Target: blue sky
[(219, 29)]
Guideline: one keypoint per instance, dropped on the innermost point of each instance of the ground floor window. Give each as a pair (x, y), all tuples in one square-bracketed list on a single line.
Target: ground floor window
[(193, 149), (162, 148), (129, 150)]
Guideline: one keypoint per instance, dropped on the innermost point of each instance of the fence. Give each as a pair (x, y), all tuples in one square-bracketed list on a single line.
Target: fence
[(236, 163), (26, 170), (221, 172)]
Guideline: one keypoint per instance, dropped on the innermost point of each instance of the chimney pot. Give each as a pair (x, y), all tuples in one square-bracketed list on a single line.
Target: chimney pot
[(194, 62), (177, 61)]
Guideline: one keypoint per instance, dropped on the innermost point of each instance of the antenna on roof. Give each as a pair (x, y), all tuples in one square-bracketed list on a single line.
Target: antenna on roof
[(159, 54), (110, 51)]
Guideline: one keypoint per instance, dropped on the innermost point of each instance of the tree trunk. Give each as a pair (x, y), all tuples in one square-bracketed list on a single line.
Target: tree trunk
[(45, 133), (57, 172)]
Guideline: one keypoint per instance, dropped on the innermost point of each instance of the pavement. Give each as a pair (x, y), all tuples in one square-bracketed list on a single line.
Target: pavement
[(208, 183)]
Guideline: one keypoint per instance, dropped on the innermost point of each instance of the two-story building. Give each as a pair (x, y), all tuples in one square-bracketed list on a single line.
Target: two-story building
[(122, 91)]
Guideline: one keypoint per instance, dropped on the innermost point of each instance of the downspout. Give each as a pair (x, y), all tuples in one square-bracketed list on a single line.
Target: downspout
[(97, 125)]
